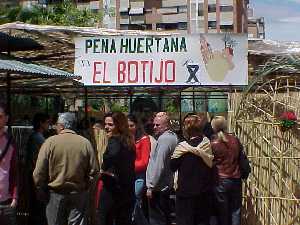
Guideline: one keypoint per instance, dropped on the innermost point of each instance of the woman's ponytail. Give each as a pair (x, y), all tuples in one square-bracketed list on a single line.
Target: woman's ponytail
[(219, 125)]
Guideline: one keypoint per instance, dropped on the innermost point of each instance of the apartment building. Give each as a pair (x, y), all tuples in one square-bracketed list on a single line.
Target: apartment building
[(215, 16), (30, 2), (256, 26), (193, 16)]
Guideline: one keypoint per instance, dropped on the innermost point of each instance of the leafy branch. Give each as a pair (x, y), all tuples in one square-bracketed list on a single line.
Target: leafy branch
[(65, 13)]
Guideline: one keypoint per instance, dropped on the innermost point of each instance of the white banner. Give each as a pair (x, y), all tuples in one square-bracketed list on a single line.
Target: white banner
[(206, 59)]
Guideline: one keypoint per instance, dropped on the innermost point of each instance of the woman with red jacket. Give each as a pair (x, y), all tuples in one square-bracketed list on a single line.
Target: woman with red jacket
[(143, 147)]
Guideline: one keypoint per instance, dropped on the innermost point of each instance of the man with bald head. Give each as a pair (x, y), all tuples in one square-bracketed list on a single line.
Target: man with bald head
[(159, 177)]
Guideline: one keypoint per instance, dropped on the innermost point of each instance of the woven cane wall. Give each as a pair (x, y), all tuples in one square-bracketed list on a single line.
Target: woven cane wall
[(272, 193)]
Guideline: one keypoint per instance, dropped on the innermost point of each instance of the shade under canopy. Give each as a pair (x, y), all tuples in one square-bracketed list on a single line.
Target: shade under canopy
[(12, 43)]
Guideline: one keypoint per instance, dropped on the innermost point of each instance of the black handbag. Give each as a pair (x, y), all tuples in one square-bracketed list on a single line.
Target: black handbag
[(138, 217), (244, 164), (110, 181)]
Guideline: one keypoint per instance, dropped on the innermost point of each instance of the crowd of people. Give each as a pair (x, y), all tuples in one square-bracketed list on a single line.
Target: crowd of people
[(129, 168)]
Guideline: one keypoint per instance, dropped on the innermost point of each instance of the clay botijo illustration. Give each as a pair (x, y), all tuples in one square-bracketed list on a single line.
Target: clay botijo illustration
[(218, 62)]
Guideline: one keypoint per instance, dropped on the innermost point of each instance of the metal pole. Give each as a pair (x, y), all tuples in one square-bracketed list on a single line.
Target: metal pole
[(86, 106), (180, 116), (8, 99), (194, 105), (8, 88), (130, 101), (47, 107), (160, 100)]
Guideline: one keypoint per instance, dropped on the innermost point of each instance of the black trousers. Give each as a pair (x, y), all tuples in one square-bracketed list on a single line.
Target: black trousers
[(193, 210), (228, 194), (37, 208), (114, 208), (160, 208), (8, 215)]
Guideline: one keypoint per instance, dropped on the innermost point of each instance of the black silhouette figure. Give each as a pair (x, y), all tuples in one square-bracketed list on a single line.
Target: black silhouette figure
[(193, 69)]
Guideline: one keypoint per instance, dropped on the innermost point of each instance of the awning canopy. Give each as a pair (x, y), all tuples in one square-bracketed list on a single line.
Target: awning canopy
[(14, 66), (24, 77)]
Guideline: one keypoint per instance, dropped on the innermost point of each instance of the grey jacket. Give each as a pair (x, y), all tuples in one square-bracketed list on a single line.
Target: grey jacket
[(159, 176)]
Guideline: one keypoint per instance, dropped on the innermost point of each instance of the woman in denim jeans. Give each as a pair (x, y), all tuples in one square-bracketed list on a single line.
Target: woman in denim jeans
[(143, 146), (228, 187)]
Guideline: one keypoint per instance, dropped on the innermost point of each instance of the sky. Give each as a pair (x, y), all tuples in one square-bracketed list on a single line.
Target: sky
[(282, 18)]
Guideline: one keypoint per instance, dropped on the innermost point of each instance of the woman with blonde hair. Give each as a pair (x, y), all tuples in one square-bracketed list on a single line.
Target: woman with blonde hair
[(228, 188), (100, 139)]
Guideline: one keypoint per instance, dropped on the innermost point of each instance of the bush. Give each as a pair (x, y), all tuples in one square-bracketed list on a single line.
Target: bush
[(65, 13)]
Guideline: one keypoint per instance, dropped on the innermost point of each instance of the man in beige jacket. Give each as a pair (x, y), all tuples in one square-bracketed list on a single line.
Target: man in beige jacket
[(65, 166)]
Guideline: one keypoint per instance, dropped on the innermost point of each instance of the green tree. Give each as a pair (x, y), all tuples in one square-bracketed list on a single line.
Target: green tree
[(65, 13), (117, 107)]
